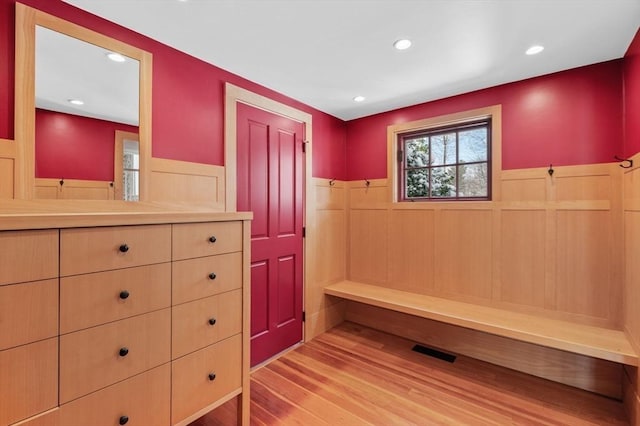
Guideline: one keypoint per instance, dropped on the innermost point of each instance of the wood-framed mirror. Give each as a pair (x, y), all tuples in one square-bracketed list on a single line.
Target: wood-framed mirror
[(29, 23)]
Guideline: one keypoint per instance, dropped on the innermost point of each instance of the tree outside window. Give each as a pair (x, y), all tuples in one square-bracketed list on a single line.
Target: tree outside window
[(446, 163)]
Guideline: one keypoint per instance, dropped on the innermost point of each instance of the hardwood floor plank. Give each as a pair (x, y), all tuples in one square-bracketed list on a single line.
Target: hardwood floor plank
[(260, 416), (353, 376), (482, 377), (329, 392), (450, 393), (388, 390), (287, 387), (371, 397)]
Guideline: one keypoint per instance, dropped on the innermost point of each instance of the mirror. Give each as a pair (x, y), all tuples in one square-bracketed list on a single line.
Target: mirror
[(57, 61), (83, 98)]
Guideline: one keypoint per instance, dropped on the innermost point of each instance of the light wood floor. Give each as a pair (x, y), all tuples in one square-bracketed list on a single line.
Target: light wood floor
[(354, 376)]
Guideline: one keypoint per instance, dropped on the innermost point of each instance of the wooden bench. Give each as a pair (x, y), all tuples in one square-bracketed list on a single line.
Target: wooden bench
[(597, 342)]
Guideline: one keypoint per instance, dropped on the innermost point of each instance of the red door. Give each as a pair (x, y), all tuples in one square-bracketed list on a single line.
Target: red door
[(270, 183)]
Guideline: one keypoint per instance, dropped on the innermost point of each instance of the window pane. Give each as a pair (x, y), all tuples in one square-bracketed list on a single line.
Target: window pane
[(443, 149), (443, 182), (473, 180), (417, 152), (130, 180), (417, 183), (473, 145)]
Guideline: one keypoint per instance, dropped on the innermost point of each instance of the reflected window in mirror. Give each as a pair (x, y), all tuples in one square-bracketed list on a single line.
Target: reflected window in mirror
[(131, 171), (127, 166)]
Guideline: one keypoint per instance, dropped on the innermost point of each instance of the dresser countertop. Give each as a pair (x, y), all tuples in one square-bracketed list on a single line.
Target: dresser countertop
[(45, 214)]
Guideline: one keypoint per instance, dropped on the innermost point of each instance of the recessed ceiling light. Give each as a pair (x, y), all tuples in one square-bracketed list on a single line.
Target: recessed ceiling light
[(359, 99), (402, 44), (116, 57), (76, 101), (533, 50)]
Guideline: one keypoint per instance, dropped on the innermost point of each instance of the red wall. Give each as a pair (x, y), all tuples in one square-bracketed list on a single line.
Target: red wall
[(571, 117), (188, 96), (332, 163), (74, 147), (632, 97), (566, 118)]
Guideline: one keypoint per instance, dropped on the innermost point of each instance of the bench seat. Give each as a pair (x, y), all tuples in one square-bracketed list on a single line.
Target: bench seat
[(597, 342)]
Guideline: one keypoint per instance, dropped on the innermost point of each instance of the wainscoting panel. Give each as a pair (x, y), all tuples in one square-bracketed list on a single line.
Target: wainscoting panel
[(550, 246), (7, 168), (186, 183), (73, 189), (329, 257), (522, 257), (6, 178)]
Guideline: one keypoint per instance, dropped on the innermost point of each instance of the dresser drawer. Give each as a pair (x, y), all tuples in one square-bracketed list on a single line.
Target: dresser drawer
[(143, 400), (200, 379), (28, 380), (28, 256), (91, 359), (85, 250), (195, 239), (191, 323), (92, 299), (192, 279), (28, 312)]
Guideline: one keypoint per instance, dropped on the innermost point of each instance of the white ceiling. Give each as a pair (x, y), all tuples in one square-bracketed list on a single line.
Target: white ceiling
[(325, 52), (68, 68)]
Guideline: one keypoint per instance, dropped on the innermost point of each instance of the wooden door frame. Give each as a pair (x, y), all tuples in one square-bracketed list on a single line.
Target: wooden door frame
[(235, 94)]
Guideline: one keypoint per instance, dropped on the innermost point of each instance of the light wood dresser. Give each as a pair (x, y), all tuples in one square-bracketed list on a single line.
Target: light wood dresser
[(121, 314)]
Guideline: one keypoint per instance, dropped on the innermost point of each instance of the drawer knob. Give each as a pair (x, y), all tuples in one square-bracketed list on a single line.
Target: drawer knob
[(123, 351), (123, 420), (212, 376), (123, 248), (212, 239), (212, 276), (124, 294), (212, 321)]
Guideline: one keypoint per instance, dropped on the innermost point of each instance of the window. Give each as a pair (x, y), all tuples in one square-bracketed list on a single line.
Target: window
[(446, 163), (131, 171)]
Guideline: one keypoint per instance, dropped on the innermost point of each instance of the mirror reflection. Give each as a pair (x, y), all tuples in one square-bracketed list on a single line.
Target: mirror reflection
[(84, 94), (68, 69)]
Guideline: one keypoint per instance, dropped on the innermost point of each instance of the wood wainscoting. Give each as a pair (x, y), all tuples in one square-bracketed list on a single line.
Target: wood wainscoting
[(7, 168), (174, 182), (631, 294), (548, 245), (72, 189), (183, 182), (551, 246), (329, 264)]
